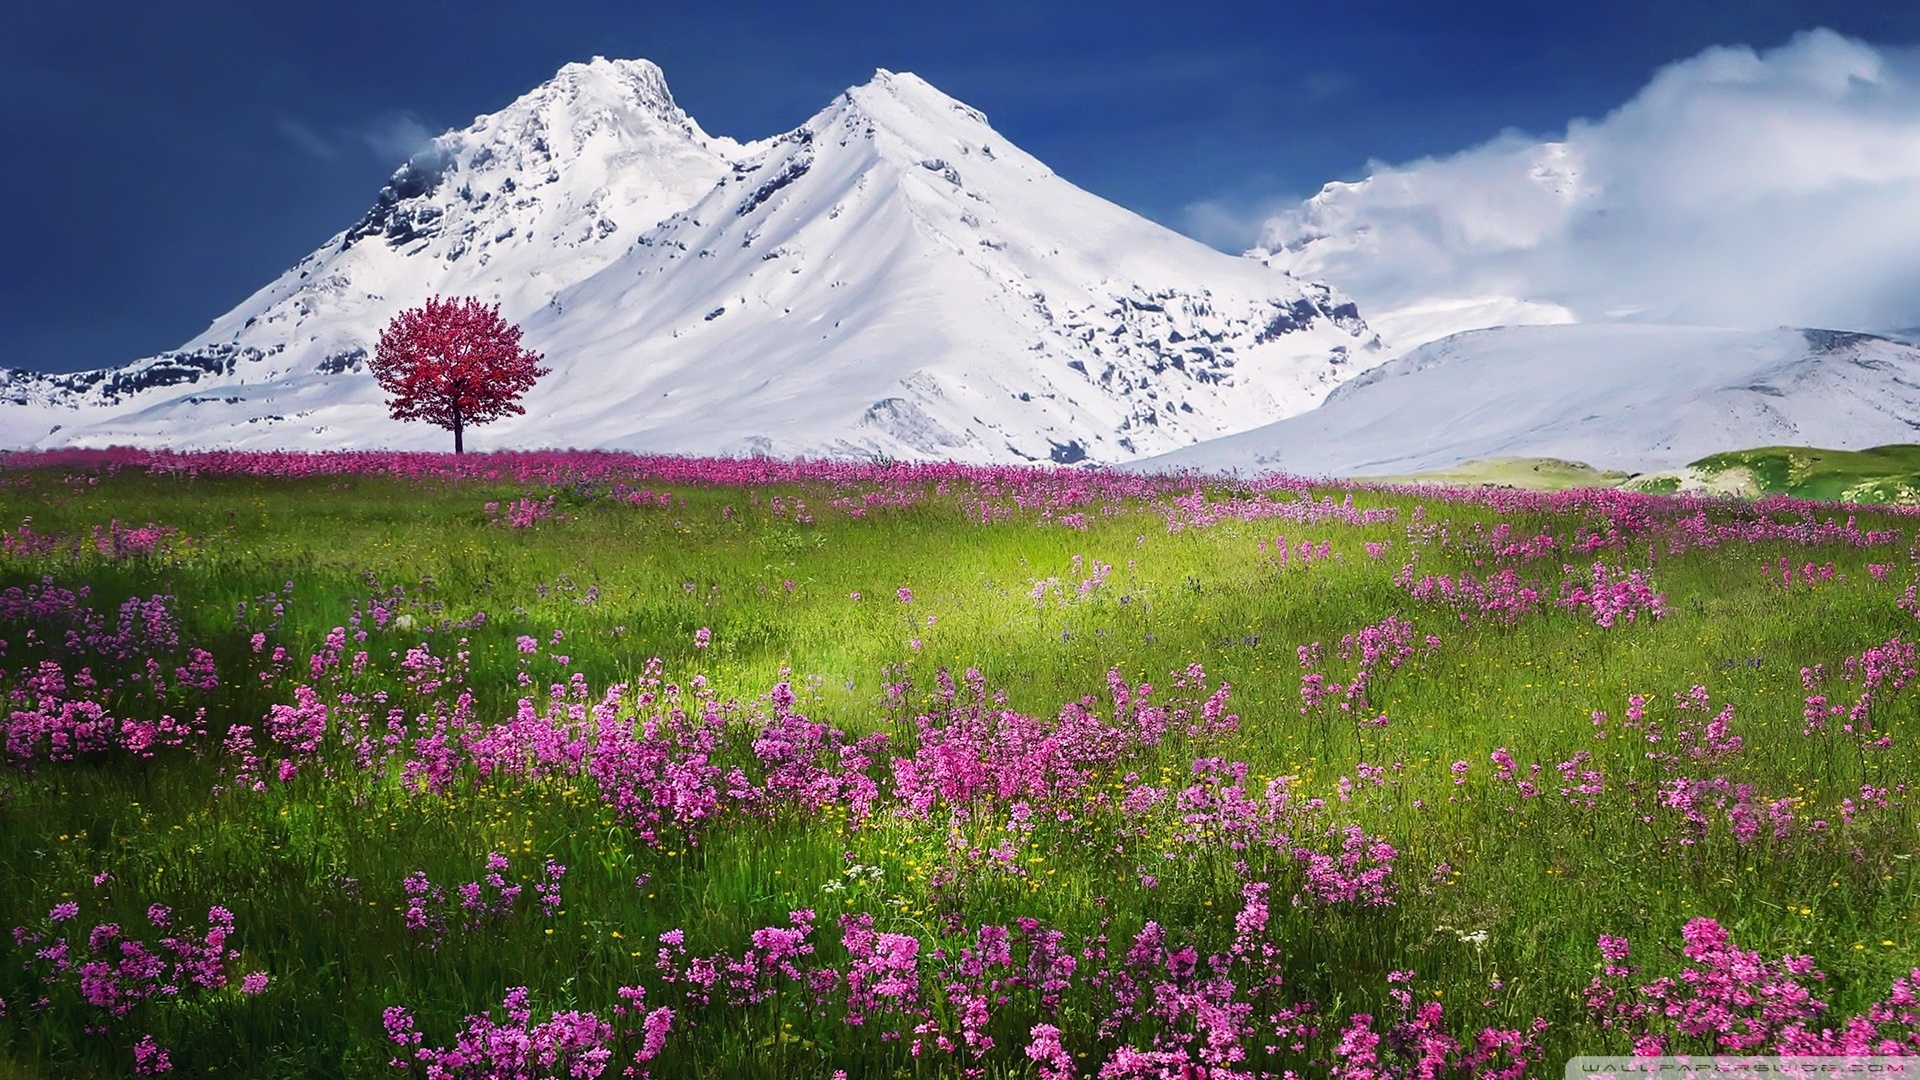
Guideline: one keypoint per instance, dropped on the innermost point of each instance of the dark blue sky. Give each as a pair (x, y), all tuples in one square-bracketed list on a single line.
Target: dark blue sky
[(163, 161)]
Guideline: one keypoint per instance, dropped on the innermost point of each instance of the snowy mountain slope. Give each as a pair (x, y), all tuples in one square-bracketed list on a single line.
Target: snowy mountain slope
[(892, 278), (1627, 397)]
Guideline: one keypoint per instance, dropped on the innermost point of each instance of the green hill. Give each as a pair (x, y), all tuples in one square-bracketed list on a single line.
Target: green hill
[(1883, 474), (1880, 475)]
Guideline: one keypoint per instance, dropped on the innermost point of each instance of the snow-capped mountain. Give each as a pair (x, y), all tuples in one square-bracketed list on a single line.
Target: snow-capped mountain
[(891, 278), (1614, 396), (515, 207)]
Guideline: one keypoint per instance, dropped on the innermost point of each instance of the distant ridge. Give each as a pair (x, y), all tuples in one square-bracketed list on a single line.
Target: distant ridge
[(1631, 398)]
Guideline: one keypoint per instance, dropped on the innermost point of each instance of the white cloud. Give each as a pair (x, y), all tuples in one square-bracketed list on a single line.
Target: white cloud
[(306, 139), (1229, 223), (1321, 85), (397, 136), (1737, 189), (392, 138)]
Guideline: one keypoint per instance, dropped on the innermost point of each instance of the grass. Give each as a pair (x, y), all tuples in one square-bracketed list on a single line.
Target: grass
[(1492, 888), (1530, 474)]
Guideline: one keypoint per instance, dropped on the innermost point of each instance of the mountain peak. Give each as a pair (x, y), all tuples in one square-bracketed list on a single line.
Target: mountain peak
[(891, 97), (567, 143), (604, 82), (600, 85)]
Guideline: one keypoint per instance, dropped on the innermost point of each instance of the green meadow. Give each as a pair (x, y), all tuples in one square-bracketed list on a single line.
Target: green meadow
[(1796, 837)]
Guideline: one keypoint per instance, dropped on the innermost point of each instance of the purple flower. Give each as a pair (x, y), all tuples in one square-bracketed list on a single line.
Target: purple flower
[(255, 983), (150, 1058), (654, 1033), (63, 911), (1045, 1049)]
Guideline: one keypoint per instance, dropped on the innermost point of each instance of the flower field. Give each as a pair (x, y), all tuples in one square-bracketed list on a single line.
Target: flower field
[(581, 765)]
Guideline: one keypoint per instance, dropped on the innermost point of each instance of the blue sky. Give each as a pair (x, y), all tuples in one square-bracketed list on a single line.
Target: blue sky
[(165, 160)]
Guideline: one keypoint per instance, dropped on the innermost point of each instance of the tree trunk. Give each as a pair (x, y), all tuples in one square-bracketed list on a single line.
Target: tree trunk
[(457, 426)]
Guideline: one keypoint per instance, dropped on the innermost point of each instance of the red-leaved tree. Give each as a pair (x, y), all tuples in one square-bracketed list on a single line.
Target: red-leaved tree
[(454, 363)]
